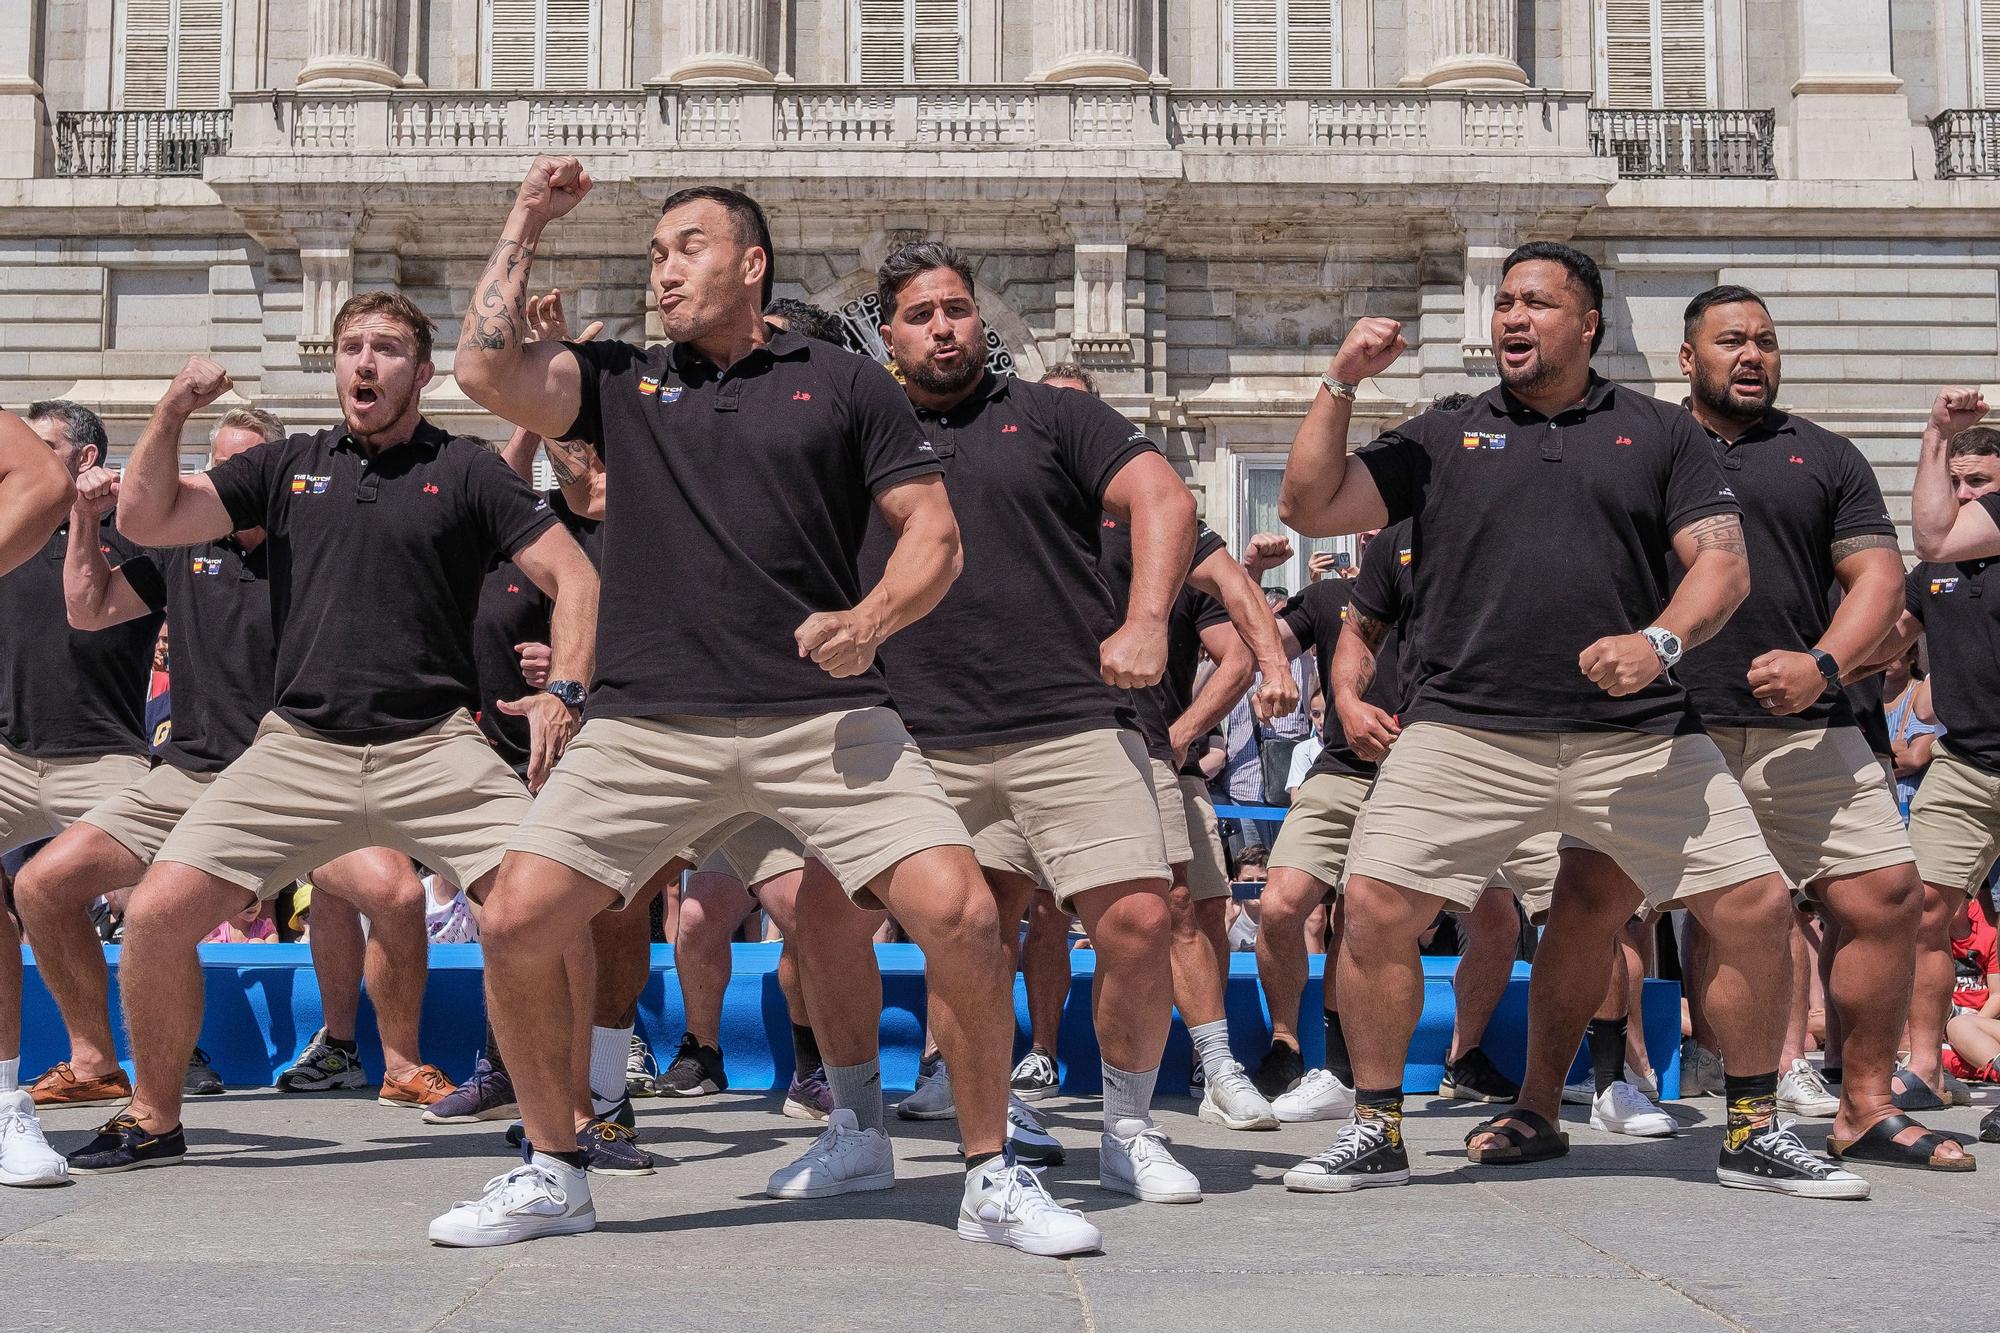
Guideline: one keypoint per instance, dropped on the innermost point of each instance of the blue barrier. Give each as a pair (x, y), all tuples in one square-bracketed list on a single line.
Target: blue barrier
[(264, 1005)]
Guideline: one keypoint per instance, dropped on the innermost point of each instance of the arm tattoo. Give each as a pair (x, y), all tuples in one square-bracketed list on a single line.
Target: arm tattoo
[(569, 460), (498, 314), (1719, 532), (1855, 545), (1368, 629)]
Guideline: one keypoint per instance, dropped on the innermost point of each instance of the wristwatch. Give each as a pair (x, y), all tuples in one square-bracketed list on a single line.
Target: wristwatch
[(1338, 388), (1827, 666), (571, 692), (1666, 644)]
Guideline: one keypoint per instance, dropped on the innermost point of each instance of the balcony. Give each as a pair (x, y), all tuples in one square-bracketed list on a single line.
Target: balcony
[(138, 143), (1651, 145), (1968, 144)]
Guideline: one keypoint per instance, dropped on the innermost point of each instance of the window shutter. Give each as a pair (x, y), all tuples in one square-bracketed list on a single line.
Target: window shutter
[(1254, 44), (884, 44), (1989, 52), (1656, 53), (936, 40), (511, 33), (566, 44), (1312, 43), (198, 54), (1628, 53), (146, 75), (1683, 59)]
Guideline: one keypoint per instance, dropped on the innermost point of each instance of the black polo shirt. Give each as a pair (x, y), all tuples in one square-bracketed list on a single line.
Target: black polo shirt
[(1532, 538), (1316, 616), (218, 597), (63, 692), (513, 610), (375, 571), (735, 508), (1011, 653), (1960, 607), (1383, 589), (1194, 611), (1159, 706), (1803, 488)]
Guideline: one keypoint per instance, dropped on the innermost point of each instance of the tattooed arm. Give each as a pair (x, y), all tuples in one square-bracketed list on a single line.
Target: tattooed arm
[(1870, 570), (534, 385), (1370, 731), (1718, 579)]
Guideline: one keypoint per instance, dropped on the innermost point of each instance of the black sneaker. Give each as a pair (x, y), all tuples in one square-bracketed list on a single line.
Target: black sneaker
[(695, 1072), (1283, 1067), (1035, 1077), (1364, 1155), (123, 1146), (1773, 1158), (323, 1067), (1474, 1078), (1989, 1128), (201, 1080)]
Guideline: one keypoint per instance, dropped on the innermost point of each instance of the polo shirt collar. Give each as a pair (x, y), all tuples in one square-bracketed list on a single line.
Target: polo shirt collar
[(989, 388), (427, 437), (1502, 401), (779, 345), (1772, 423)]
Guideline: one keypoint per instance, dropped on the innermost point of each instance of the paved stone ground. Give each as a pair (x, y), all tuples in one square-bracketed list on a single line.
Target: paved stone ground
[(309, 1214)]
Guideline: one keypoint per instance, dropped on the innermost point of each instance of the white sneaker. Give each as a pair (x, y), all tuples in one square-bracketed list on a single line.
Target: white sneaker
[(1006, 1205), (1701, 1070), (1232, 1101), (1623, 1109), (1320, 1095), (1580, 1093), (1803, 1092), (1645, 1083), (843, 1160), (26, 1159), (1135, 1160), (543, 1198), (931, 1099)]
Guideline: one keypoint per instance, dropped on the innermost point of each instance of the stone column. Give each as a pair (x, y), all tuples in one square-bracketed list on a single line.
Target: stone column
[(1850, 117), (1486, 246), (722, 40), (1474, 42), (1094, 39), (352, 44), (326, 276), (23, 113)]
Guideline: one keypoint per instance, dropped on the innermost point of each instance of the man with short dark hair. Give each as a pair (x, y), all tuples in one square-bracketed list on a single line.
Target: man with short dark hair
[(807, 319), (742, 467), (1543, 515), (379, 533)]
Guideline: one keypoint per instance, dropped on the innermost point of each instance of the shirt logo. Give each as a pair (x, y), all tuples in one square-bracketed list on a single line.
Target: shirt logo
[(430, 488), (1623, 439), (926, 448), (1403, 556), (802, 397), (207, 565), (648, 387), (1473, 439), (513, 587), (670, 393), (1726, 493), (304, 482), (1941, 586), (1010, 429), (1795, 459)]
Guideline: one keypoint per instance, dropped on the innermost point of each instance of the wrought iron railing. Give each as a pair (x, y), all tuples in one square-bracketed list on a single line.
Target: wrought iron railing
[(1968, 143), (138, 143), (1655, 144)]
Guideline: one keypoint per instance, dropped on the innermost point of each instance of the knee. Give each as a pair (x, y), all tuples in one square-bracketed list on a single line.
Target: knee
[(1892, 906), (161, 921), (1938, 910), (1760, 909), (1379, 919), (1137, 924), (518, 923), (48, 881), (1181, 909)]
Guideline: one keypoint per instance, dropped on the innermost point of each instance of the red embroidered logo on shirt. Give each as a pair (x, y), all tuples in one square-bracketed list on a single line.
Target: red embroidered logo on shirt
[(1623, 439), (513, 587), (1010, 430), (802, 397), (430, 488), (1795, 459)]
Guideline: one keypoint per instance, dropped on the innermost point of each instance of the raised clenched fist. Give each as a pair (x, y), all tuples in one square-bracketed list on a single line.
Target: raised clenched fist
[(200, 383), (96, 492), (553, 186), (1956, 409), (1371, 347)]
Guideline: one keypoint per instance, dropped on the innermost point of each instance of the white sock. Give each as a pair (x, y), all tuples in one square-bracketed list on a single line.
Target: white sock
[(610, 1048), (1128, 1095), (10, 1074), (1211, 1044)]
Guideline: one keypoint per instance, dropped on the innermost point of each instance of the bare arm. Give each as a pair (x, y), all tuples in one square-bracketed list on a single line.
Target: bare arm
[(920, 570), (1945, 530), (1321, 496), (1149, 496), (579, 473), (1901, 637), (1369, 730), (157, 506), (1220, 688), (95, 595), (35, 492), (1871, 572), (1229, 583), (1717, 580), (558, 566)]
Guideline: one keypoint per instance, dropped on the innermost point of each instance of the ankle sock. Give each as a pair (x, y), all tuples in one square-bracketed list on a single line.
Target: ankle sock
[(805, 1050), (10, 1074), (1753, 1100), (1337, 1062), (575, 1161), (858, 1088), (1382, 1105), (978, 1161), (610, 1048), (1607, 1051), (1128, 1095), (1211, 1047)]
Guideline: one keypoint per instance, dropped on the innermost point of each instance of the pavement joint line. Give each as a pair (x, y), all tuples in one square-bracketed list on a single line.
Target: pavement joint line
[(470, 1296), (1082, 1297)]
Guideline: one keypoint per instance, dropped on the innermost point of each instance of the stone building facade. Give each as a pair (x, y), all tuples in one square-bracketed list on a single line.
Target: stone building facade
[(1192, 197)]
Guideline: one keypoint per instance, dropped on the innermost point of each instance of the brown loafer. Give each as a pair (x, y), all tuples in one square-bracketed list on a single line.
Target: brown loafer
[(61, 1087), (423, 1086)]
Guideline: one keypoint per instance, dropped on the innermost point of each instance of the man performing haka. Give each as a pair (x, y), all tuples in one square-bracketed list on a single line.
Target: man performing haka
[(737, 674), (1544, 513), (379, 532)]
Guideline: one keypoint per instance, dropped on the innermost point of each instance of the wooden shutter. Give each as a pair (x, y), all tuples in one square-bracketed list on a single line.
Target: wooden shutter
[(884, 41), (937, 40), (146, 76), (1988, 16), (566, 43), (172, 54), (198, 54), (1628, 53), (1655, 53), (1683, 58), (512, 29), (1255, 44), (1312, 43)]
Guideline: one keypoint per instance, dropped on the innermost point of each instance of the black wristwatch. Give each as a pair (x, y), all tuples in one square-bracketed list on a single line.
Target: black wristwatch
[(1827, 666), (571, 692)]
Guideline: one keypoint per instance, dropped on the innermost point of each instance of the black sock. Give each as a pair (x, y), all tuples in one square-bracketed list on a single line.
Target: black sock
[(348, 1046), (1607, 1051), (1752, 1099), (1382, 1105), (574, 1158), (975, 1160), (492, 1051), (1337, 1062), (805, 1049)]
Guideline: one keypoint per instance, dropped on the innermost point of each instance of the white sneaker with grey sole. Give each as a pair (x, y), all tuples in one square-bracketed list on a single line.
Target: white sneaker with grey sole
[(1134, 1159), (1803, 1092), (545, 1197), (1623, 1109), (1320, 1095), (1231, 1100), (1008, 1205), (845, 1159)]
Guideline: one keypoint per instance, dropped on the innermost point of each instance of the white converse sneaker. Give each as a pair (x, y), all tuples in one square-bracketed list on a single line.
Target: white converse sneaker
[(1320, 1095), (843, 1160), (1803, 1092), (1645, 1083), (1006, 1205), (1623, 1109), (931, 1100), (1134, 1159), (1232, 1101), (543, 1198), (1580, 1093), (26, 1159)]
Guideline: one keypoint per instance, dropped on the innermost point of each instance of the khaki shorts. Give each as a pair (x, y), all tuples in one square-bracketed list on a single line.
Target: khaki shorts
[(1819, 796), (1318, 829), (39, 798), (1079, 811), (754, 854), (1173, 821), (630, 794), (295, 800), (1207, 872), (1530, 873), (1955, 823), (140, 817), (1452, 803)]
